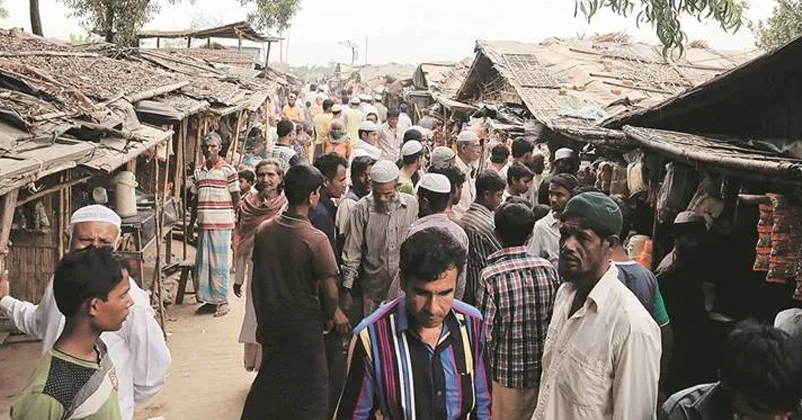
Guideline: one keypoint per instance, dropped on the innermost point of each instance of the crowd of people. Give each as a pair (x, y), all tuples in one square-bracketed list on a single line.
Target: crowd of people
[(385, 278)]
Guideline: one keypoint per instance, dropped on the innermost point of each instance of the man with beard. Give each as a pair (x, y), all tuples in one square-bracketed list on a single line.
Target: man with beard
[(140, 355), (267, 203), (545, 242), (434, 196), (378, 225), (602, 354), (680, 278), (295, 290), (216, 186), (469, 150)]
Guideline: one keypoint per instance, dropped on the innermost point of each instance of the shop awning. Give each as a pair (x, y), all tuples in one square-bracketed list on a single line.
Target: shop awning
[(113, 152)]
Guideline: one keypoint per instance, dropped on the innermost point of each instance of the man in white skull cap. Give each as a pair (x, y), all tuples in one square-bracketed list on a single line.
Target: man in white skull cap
[(368, 139), (434, 196), (138, 351), (376, 229), (353, 117), (469, 150)]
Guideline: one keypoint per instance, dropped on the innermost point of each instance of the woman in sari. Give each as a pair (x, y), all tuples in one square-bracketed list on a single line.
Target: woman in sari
[(266, 203)]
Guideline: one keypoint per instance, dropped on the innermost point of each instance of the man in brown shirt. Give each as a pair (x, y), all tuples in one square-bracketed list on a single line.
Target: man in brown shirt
[(294, 294)]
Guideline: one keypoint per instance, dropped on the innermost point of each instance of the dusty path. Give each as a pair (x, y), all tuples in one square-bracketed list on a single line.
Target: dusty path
[(206, 379)]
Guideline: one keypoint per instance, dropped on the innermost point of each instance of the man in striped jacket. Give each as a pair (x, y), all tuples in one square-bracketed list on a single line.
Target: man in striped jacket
[(421, 355)]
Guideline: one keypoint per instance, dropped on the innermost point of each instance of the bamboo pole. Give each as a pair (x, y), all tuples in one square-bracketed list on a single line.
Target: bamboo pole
[(184, 198), (169, 246), (156, 285), (6, 219), (235, 141), (155, 92)]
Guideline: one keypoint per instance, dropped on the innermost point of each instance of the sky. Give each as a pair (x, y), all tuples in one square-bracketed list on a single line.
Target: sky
[(420, 31)]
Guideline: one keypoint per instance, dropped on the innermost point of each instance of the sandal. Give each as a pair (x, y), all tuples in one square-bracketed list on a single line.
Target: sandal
[(222, 310)]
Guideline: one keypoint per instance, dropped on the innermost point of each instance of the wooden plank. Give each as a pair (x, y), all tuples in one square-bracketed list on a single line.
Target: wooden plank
[(6, 219), (235, 142)]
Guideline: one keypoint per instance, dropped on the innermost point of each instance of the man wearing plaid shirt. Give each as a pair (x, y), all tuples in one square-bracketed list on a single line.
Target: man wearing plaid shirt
[(516, 295)]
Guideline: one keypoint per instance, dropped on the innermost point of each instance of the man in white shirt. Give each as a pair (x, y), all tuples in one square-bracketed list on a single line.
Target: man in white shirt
[(545, 242), (602, 354), (138, 351), (368, 139), (469, 150), (404, 122)]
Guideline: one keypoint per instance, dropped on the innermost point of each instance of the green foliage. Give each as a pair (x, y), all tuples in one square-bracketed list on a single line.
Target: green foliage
[(272, 15), (664, 15), (117, 20), (80, 39), (784, 25)]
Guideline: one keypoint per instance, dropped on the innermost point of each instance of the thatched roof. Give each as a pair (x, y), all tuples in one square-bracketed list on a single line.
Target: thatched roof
[(74, 81), (237, 30), (215, 55), (758, 98), (721, 155), (581, 77)]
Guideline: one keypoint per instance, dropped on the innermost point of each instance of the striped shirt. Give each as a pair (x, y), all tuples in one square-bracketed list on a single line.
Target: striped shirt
[(214, 188), (516, 297), (283, 153), (479, 226), (390, 369)]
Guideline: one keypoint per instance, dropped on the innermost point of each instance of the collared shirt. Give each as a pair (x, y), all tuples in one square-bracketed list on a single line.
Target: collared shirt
[(283, 153), (353, 119), (602, 362), (545, 242), (468, 188), (391, 369), (372, 150), (404, 123), (516, 296), (390, 142), (480, 228), (344, 211), (439, 221), (138, 351), (700, 402), (322, 124), (643, 284), (214, 188), (293, 113), (373, 243), (323, 218)]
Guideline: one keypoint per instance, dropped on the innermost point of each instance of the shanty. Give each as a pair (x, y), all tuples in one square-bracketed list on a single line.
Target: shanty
[(298, 209)]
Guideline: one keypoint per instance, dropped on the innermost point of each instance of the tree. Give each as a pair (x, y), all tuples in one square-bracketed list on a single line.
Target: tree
[(665, 15), (783, 26), (36, 20), (272, 14), (116, 20)]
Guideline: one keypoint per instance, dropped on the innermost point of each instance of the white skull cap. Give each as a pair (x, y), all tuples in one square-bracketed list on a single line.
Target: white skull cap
[(95, 213)]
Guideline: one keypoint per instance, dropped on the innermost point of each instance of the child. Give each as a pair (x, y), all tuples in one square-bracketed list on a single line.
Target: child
[(76, 378), (247, 179)]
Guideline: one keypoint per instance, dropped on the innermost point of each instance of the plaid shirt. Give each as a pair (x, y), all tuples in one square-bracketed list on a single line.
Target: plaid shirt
[(516, 297), (478, 224)]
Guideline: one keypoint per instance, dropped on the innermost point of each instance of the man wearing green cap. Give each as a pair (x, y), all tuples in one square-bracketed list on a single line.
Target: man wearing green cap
[(602, 354)]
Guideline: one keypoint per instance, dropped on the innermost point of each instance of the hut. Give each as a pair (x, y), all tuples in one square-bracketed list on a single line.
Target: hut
[(68, 125), (580, 79)]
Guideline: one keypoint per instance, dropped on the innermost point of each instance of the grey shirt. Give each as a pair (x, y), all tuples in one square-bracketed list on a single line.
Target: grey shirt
[(372, 245)]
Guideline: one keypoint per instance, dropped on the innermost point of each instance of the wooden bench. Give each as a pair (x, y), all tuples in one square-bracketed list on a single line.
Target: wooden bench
[(187, 268)]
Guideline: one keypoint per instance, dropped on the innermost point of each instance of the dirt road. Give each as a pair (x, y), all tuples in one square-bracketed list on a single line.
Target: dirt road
[(206, 379)]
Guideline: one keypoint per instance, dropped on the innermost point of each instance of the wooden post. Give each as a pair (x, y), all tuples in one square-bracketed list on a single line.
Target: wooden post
[(239, 44), (267, 58), (6, 219), (202, 126), (169, 245), (208, 42), (189, 42), (156, 285), (235, 141), (183, 162), (158, 42)]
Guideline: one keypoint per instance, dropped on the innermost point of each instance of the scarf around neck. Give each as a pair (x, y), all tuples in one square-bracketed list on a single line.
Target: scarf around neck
[(254, 211)]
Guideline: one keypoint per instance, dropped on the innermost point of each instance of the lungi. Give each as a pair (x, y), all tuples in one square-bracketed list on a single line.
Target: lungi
[(212, 266)]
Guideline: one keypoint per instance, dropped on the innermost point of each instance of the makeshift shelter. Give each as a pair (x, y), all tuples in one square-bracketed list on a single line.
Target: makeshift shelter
[(438, 83), (67, 123), (584, 79)]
